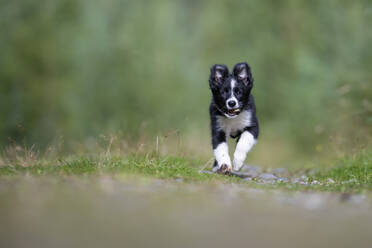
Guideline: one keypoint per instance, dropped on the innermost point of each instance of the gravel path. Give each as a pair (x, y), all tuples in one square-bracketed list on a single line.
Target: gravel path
[(277, 175)]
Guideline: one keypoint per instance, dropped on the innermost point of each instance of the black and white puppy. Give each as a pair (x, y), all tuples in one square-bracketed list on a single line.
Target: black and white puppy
[(233, 113)]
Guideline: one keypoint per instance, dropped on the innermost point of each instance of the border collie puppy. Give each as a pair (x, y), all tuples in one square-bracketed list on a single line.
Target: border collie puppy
[(233, 113)]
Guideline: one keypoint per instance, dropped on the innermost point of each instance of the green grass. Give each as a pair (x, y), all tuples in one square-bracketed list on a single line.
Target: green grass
[(352, 174), (158, 167)]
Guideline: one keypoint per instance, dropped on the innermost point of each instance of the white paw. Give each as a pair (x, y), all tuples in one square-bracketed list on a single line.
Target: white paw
[(238, 161), (223, 169)]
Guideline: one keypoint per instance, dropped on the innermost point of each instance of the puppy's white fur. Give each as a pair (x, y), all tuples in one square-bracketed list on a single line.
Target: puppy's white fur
[(245, 144), (221, 153), (232, 97), (232, 126)]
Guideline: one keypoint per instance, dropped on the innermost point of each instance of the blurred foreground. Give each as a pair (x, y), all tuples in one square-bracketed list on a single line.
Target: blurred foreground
[(106, 211)]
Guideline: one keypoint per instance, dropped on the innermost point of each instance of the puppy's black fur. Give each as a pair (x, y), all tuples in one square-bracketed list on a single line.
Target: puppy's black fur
[(231, 97)]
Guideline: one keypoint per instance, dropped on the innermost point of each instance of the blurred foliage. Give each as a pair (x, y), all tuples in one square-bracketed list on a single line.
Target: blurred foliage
[(77, 69)]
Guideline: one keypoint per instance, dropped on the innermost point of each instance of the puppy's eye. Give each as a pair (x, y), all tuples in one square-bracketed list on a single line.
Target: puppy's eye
[(226, 90), (237, 91)]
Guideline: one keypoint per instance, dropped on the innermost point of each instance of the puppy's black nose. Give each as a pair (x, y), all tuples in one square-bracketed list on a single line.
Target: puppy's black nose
[(231, 103)]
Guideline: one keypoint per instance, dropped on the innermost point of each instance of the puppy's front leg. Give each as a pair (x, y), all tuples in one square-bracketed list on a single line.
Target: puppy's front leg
[(221, 152), (245, 144)]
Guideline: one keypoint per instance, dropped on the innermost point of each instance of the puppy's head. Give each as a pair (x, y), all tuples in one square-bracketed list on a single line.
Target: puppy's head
[(231, 91)]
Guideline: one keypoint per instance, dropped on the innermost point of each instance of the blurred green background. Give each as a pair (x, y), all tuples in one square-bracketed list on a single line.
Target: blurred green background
[(73, 70)]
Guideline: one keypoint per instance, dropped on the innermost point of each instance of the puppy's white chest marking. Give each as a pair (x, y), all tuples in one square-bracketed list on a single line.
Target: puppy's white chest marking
[(233, 125)]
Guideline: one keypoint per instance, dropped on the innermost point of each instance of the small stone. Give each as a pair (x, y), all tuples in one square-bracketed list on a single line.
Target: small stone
[(267, 176), (250, 168), (268, 181), (353, 180), (282, 180), (252, 173), (299, 181), (303, 183), (315, 182), (243, 174), (330, 180), (304, 178)]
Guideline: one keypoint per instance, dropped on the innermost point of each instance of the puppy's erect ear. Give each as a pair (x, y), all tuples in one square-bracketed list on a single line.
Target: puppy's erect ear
[(218, 73), (242, 72)]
